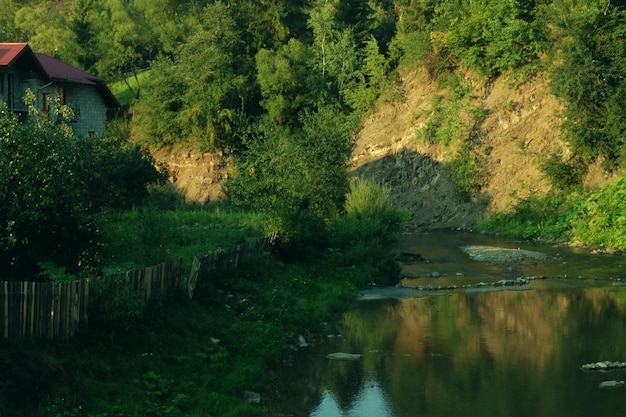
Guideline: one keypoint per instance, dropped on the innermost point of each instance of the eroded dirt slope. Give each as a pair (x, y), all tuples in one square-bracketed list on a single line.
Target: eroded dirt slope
[(520, 129)]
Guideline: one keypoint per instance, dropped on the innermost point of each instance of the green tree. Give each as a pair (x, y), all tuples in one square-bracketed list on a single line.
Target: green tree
[(79, 23), (370, 80), (200, 94), (491, 36), (590, 78), (297, 178), (171, 21), (44, 31), (51, 183), (8, 31), (125, 41), (282, 77)]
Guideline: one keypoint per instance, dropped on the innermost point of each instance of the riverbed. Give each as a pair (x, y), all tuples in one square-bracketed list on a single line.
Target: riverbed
[(467, 334)]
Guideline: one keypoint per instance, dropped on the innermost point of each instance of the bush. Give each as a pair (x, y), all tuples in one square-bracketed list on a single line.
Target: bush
[(600, 218), (564, 174), (367, 234)]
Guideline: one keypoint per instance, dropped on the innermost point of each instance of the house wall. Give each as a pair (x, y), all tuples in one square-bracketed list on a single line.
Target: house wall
[(12, 89), (87, 105), (89, 108)]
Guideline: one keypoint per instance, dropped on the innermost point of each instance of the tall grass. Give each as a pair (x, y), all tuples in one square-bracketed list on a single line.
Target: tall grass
[(148, 236), (367, 233)]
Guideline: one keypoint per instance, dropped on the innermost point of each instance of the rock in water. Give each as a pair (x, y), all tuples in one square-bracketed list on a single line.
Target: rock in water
[(612, 384), (341, 356)]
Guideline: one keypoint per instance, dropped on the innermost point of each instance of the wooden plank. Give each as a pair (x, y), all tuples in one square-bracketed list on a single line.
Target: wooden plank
[(85, 304), (193, 277), (57, 310), (5, 288), (33, 291)]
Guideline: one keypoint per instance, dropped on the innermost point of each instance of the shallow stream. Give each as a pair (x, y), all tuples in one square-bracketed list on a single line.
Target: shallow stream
[(453, 342)]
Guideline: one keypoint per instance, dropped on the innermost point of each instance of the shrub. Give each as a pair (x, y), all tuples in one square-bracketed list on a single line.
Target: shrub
[(366, 235)]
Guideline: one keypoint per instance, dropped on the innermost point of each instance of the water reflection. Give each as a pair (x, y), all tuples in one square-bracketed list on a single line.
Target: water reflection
[(508, 353), (371, 401), (499, 354)]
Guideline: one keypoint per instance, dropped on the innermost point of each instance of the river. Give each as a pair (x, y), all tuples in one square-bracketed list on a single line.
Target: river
[(451, 343)]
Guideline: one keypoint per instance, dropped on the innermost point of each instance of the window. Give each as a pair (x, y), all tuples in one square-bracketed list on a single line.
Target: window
[(1, 83), (45, 104), (61, 95)]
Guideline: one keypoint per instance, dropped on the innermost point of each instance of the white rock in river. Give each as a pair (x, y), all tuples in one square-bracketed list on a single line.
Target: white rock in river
[(341, 356), (612, 384)]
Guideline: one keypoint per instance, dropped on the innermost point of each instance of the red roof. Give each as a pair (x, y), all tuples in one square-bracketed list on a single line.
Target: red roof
[(20, 56), (10, 51)]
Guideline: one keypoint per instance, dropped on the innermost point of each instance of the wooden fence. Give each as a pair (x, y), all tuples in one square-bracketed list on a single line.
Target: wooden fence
[(43, 309), (58, 309), (229, 258), (155, 279)]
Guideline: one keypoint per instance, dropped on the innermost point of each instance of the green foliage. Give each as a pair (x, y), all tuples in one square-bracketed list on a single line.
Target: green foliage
[(150, 235), (370, 81), (282, 77), (445, 124), (8, 31), (366, 234), (491, 37), (198, 95), (601, 218), (296, 178), (595, 218), (367, 198), (127, 90), (114, 304), (466, 171), (548, 217), (52, 183), (590, 78), (564, 174)]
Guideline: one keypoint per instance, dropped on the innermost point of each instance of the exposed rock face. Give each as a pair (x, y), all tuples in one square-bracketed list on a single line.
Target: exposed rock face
[(200, 176), (520, 129)]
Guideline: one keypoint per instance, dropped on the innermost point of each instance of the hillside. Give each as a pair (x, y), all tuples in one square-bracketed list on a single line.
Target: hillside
[(521, 128)]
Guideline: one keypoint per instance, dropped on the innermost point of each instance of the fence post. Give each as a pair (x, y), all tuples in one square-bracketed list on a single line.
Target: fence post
[(193, 276)]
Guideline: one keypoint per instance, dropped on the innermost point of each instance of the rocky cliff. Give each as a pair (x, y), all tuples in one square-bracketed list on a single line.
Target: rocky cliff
[(520, 128)]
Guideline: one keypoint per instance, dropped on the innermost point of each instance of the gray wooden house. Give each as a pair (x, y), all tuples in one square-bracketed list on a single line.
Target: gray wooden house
[(53, 81)]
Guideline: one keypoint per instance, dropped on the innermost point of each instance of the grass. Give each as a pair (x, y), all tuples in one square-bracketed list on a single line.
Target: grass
[(121, 91), (186, 357), (178, 356), (145, 237)]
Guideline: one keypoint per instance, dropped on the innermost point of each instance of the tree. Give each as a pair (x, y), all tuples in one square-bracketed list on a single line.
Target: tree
[(201, 93), (8, 31), (296, 177), (590, 79), (51, 184), (45, 32), (282, 76)]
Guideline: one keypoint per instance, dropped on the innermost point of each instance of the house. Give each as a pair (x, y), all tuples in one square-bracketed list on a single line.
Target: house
[(53, 81)]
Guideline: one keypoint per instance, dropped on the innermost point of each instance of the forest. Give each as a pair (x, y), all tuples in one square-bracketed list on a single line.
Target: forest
[(280, 86)]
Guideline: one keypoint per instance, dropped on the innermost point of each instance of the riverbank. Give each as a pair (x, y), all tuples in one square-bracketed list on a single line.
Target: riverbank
[(185, 357)]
